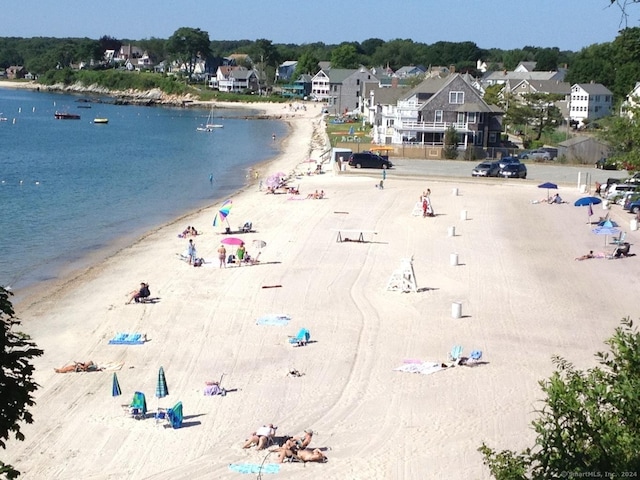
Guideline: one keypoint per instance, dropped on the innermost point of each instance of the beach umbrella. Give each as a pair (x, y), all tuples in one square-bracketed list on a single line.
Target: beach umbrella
[(259, 244), (232, 241), (223, 213), (606, 231), (276, 179), (608, 224), (548, 186), (115, 387), (161, 386), (588, 202)]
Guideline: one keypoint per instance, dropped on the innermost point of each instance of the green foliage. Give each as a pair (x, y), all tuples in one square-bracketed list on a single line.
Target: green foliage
[(623, 137), (492, 95), (451, 144), (307, 64), (16, 378), (537, 111), (186, 45), (589, 421), (344, 56)]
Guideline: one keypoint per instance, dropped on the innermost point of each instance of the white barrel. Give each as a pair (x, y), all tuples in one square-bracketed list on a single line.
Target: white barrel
[(463, 214), (456, 310), (452, 231), (455, 192), (583, 188), (633, 224), (605, 204), (453, 258)]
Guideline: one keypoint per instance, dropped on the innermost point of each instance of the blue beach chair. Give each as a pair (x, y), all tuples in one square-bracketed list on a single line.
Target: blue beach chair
[(138, 406), (456, 354), (174, 415), (301, 339)]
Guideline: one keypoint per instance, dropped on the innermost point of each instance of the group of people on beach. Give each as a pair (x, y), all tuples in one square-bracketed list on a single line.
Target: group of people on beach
[(292, 449)]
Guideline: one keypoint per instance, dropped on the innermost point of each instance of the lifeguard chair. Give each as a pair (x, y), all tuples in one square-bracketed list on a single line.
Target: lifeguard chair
[(403, 279)]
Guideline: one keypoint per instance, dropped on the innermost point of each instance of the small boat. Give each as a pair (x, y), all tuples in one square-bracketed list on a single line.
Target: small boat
[(84, 106), (66, 116), (101, 120), (209, 126)]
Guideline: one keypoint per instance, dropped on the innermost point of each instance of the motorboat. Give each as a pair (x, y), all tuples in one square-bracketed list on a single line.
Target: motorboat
[(66, 116), (101, 120)]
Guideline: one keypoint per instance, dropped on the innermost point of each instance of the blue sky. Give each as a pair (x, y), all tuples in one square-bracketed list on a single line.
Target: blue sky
[(566, 24)]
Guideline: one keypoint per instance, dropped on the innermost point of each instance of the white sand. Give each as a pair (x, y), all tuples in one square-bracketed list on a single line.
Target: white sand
[(524, 298)]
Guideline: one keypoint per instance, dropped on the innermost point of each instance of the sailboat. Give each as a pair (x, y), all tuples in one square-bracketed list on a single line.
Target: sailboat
[(210, 125)]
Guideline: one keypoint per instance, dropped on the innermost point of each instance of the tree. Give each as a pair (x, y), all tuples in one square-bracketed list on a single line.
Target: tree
[(623, 137), (186, 45), (537, 111), (547, 59), (492, 94), (307, 63), (344, 56), (450, 144), (589, 421), (16, 378)]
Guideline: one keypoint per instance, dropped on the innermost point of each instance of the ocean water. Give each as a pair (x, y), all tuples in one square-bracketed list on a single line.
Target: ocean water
[(71, 189)]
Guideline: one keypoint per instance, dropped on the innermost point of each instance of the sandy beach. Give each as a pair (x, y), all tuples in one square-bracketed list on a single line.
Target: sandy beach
[(522, 295)]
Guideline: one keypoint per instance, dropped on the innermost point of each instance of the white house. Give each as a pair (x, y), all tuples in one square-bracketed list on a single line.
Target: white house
[(589, 101), (631, 102)]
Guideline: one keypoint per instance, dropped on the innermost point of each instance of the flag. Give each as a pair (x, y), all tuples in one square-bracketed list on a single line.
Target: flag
[(590, 211)]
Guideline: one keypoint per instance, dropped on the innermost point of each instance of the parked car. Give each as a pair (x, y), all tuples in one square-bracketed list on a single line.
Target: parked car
[(633, 205), (504, 161), (539, 154), (368, 160), (514, 170), (486, 169), (617, 190), (606, 164), (633, 179)]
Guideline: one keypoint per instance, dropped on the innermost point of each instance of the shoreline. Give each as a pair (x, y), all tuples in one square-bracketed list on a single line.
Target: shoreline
[(90, 263)]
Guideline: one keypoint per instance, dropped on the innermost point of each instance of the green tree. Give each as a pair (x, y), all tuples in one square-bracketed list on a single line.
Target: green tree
[(345, 56), (16, 378), (589, 421), (187, 45), (536, 111), (450, 144), (307, 63), (492, 94), (623, 137), (547, 59)]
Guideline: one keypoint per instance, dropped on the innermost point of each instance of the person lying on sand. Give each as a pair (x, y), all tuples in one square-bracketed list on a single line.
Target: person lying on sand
[(308, 455), (303, 441), (213, 388), (260, 437), (585, 257), (78, 367)]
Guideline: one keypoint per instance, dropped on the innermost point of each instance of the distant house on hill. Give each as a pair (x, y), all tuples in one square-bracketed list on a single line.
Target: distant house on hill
[(286, 70), (590, 101), (15, 72), (342, 88)]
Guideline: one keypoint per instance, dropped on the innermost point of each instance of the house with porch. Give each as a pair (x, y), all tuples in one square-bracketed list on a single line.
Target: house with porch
[(438, 104), (286, 70), (589, 101), (514, 90), (342, 89), (301, 88), (235, 79)]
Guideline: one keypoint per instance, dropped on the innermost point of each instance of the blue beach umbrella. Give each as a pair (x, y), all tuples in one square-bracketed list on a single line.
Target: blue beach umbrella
[(161, 386), (606, 231), (115, 387), (588, 202), (548, 186)]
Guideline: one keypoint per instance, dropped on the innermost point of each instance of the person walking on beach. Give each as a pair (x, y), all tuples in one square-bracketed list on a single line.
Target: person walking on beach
[(191, 251), (222, 256)]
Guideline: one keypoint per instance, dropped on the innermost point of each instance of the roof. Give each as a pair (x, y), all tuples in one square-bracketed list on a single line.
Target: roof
[(479, 105), (594, 88), (504, 76), (427, 86), (385, 96), (545, 86)]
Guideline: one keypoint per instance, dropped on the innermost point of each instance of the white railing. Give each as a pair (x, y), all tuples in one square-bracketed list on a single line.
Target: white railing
[(432, 126)]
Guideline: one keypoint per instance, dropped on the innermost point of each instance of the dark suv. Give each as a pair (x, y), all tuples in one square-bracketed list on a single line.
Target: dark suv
[(368, 160)]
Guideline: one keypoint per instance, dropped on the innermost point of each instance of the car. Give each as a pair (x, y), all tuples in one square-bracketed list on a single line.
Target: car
[(540, 154), (606, 164), (507, 160), (633, 179), (368, 160), (617, 191), (514, 170), (486, 169), (633, 206)]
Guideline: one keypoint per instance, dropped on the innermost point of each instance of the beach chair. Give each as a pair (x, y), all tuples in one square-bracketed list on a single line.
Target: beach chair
[(620, 239), (246, 228), (456, 354), (301, 339), (174, 416), (138, 406), (474, 357)]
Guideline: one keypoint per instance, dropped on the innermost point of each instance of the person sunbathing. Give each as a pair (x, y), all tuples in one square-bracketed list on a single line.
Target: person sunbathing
[(142, 293), (260, 438), (303, 441), (214, 388), (308, 455), (586, 256), (287, 450), (78, 367)]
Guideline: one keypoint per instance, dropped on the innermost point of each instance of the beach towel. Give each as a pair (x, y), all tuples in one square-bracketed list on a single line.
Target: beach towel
[(111, 366), (274, 319), (425, 368), (254, 468), (128, 339)]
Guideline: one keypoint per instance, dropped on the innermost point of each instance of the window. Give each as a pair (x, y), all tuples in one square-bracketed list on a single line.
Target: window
[(438, 116), (472, 117), (456, 97), (461, 118)]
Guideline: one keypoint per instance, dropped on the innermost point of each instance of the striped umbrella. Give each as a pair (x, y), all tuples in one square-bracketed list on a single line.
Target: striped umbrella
[(222, 214), (161, 387), (115, 388)]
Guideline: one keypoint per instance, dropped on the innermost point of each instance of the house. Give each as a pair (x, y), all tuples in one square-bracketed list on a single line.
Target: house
[(341, 88), (516, 89), (437, 104), (380, 109), (235, 79), (631, 102), (15, 71), (301, 88), (493, 78), (286, 70), (128, 52), (525, 67), (238, 59), (411, 71), (145, 62), (583, 149), (589, 101)]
